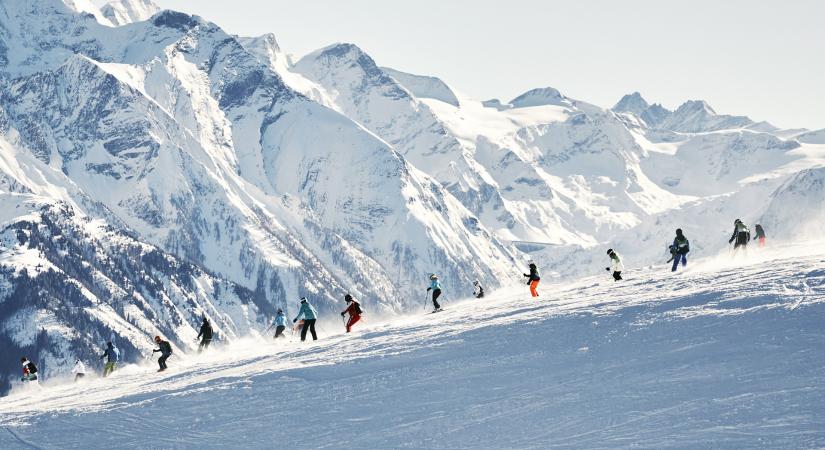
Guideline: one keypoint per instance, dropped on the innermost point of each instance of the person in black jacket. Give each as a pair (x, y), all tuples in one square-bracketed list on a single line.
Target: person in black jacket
[(741, 235), (29, 370), (165, 349), (205, 335), (533, 279), (679, 250)]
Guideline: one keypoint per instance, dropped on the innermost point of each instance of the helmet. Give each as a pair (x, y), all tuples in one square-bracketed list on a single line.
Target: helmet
[(157, 338), (678, 231), (347, 298), (23, 359), (475, 283), (609, 251), (737, 221), (433, 276), (280, 310), (303, 299)]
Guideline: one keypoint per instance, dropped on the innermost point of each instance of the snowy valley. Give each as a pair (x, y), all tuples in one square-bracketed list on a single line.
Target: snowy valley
[(155, 169)]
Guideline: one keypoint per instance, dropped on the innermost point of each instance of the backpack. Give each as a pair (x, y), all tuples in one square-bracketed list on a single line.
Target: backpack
[(32, 368), (358, 309)]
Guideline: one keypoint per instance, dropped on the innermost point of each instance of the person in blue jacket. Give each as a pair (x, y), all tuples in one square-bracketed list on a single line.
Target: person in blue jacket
[(280, 323), (112, 355), (435, 286), (310, 316)]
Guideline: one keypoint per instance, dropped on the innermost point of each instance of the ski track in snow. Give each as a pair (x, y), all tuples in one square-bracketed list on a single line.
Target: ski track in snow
[(708, 357)]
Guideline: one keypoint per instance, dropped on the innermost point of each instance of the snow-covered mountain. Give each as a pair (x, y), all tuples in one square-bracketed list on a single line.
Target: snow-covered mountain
[(269, 179)]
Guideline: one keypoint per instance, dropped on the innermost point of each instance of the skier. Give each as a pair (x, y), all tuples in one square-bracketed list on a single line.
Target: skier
[(680, 249), (435, 286), (79, 370), (616, 264), (165, 349), (533, 279), (29, 370), (280, 323), (206, 334), (354, 311), (310, 316), (760, 235), (112, 355), (478, 289), (741, 235)]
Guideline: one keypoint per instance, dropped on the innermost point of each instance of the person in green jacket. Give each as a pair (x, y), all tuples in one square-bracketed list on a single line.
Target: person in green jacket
[(310, 316)]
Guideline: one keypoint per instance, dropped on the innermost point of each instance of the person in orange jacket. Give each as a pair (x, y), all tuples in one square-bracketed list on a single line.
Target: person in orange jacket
[(354, 311)]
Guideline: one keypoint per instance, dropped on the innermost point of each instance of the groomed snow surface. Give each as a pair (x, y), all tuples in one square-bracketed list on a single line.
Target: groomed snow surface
[(727, 353)]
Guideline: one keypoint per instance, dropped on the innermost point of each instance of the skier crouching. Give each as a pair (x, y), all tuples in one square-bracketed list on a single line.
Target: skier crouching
[(280, 324), (533, 279), (435, 286), (478, 289), (29, 370)]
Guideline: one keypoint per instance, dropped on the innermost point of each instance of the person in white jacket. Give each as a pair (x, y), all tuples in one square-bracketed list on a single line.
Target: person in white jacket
[(616, 265), (79, 370)]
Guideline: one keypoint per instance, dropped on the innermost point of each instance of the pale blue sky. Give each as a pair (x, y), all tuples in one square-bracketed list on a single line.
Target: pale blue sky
[(763, 59)]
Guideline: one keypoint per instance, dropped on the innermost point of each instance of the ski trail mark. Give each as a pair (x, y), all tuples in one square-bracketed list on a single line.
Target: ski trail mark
[(22, 440)]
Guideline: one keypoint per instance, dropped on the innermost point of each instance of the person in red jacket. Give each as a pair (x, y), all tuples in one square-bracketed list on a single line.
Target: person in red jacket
[(354, 311)]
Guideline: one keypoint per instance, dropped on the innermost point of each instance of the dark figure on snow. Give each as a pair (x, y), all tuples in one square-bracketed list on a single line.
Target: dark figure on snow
[(205, 335), (615, 264), (310, 316), (533, 279), (679, 250), (435, 286), (112, 355), (741, 235), (478, 289), (760, 235), (280, 323), (354, 311), (165, 349), (29, 370)]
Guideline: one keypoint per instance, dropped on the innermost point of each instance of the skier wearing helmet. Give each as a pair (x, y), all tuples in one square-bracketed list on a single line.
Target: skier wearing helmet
[(679, 250), (165, 349), (741, 235), (533, 279), (616, 264), (435, 286)]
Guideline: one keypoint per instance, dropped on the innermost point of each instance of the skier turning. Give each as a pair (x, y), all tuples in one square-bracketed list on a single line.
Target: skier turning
[(165, 349), (354, 311), (29, 370), (478, 289), (205, 335), (679, 249), (760, 235), (533, 279), (280, 323), (435, 286), (616, 264), (741, 235), (79, 370), (310, 316), (112, 355)]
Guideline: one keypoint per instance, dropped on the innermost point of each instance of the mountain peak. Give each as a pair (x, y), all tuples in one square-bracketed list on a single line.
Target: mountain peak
[(633, 103), (122, 12), (541, 97)]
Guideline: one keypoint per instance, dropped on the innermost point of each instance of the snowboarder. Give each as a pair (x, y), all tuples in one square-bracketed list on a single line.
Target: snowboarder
[(741, 235), (280, 323), (205, 335), (310, 316), (680, 249), (79, 370), (760, 235), (354, 311), (616, 264), (112, 355), (478, 289), (435, 286), (29, 370), (165, 349), (533, 279)]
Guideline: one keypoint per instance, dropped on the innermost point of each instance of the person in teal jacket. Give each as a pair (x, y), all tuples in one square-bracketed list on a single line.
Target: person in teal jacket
[(280, 323), (435, 286), (310, 316)]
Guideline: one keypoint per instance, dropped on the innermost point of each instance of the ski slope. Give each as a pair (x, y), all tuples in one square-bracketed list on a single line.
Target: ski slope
[(727, 353)]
